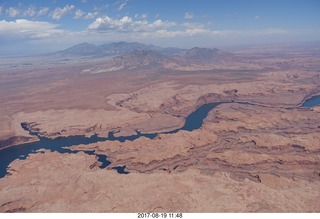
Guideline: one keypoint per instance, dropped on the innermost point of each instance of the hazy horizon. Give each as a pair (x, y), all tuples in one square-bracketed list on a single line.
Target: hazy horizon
[(224, 48), (33, 27)]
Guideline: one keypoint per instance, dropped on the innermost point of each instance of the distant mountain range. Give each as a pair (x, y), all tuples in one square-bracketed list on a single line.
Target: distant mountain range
[(133, 55), (139, 58), (145, 57), (113, 49)]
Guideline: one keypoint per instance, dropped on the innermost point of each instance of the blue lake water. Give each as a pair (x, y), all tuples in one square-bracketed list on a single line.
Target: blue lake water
[(193, 121), (60, 144), (313, 101)]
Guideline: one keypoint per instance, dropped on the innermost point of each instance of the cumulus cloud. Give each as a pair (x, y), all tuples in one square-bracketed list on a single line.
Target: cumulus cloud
[(100, 7), (47, 35), (13, 12), (91, 15), (22, 28), (30, 12), (60, 12), (187, 32), (143, 29), (43, 11), (23, 37), (127, 24), (188, 15), (78, 14)]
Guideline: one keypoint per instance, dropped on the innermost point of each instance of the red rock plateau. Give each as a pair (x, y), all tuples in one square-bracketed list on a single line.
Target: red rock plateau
[(263, 157)]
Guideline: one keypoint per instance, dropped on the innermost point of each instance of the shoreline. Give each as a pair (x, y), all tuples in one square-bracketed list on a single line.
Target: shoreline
[(309, 97), (25, 142), (312, 94)]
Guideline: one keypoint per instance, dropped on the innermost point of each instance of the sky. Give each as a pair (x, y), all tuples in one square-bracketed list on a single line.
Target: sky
[(34, 26)]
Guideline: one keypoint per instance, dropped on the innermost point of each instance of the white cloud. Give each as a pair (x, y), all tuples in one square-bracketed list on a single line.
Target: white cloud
[(13, 12), (23, 37), (144, 29), (127, 24), (141, 16), (127, 28), (101, 7), (45, 36), (30, 12), (91, 15), (140, 27), (188, 15), (189, 32), (43, 11), (144, 16), (122, 5), (22, 28), (60, 12), (78, 14)]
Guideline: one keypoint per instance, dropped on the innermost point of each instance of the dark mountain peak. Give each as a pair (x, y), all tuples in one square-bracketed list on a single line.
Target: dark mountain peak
[(139, 57), (202, 53)]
